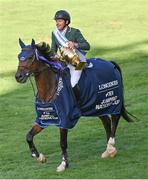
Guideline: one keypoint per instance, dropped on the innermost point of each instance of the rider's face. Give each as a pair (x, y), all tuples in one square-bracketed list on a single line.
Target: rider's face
[(60, 23)]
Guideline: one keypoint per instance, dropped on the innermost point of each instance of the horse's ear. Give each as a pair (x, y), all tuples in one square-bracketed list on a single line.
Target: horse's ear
[(33, 43), (21, 43)]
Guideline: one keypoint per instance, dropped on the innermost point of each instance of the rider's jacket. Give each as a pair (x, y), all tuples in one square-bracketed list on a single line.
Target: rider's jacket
[(72, 34)]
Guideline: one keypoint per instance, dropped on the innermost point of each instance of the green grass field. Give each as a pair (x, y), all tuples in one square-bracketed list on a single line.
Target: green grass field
[(117, 30)]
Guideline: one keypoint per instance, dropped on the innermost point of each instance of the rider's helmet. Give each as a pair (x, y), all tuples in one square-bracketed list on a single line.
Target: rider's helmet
[(62, 14)]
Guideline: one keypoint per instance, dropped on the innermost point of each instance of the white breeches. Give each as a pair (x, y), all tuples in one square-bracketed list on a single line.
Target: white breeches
[(75, 75)]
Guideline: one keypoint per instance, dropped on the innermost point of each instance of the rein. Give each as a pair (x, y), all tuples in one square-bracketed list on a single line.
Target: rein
[(33, 88), (35, 72), (49, 65)]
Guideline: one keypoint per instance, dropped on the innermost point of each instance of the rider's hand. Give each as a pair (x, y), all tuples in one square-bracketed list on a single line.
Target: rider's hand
[(72, 45)]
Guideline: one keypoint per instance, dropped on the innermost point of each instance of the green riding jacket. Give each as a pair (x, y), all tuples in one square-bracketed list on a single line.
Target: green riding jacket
[(74, 35)]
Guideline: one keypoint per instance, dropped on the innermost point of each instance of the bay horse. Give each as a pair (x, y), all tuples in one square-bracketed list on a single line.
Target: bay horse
[(45, 76)]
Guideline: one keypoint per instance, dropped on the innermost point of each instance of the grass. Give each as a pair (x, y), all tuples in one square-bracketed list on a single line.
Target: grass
[(116, 30)]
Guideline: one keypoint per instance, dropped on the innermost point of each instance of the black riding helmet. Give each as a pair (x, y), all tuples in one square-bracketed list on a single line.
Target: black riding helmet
[(62, 14)]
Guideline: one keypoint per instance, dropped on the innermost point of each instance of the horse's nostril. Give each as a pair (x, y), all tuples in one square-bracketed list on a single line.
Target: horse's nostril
[(17, 76), (20, 77)]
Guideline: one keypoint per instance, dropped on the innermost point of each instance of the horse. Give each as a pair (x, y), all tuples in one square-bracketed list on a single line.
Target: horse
[(48, 75)]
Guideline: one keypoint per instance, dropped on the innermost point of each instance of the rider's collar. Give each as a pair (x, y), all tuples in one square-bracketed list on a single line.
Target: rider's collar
[(68, 29), (63, 32)]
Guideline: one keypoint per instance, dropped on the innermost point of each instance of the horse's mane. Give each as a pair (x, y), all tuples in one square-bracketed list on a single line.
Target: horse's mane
[(54, 61), (44, 50)]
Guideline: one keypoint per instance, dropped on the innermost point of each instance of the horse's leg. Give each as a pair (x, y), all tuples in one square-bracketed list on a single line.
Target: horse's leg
[(111, 150), (63, 143), (110, 146), (107, 125), (29, 138), (106, 121)]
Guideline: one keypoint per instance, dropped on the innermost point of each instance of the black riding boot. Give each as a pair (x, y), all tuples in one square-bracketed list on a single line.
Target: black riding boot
[(76, 90)]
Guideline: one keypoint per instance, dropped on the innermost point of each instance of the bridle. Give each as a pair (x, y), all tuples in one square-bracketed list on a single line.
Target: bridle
[(37, 73), (34, 57)]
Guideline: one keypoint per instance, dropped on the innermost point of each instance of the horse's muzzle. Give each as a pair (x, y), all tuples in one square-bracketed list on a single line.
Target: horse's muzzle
[(21, 77)]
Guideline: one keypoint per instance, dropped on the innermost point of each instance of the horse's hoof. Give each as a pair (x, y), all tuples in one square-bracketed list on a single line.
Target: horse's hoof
[(113, 153), (105, 154), (109, 153), (42, 158), (61, 167)]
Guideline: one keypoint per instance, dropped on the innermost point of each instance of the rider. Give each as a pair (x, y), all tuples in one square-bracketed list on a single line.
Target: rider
[(65, 36)]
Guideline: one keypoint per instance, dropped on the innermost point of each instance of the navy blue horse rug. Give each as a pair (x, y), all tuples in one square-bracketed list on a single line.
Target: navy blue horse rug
[(100, 94)]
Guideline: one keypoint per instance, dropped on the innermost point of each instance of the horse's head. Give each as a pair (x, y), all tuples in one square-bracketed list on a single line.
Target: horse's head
[(27, 64)]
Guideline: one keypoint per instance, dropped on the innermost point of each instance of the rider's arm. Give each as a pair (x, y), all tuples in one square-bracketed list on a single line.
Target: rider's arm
[(81, 41), (54, 46)]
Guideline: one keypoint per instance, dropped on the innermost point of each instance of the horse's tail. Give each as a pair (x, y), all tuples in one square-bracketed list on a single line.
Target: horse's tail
[(124, 113)]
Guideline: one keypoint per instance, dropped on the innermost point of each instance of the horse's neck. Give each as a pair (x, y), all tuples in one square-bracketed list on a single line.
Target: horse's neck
[(46, 85)]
